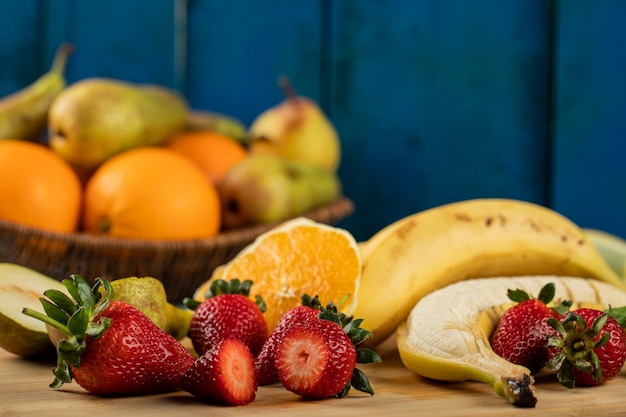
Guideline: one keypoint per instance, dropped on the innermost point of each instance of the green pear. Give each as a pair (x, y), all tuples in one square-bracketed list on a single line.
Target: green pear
[(178, 321), (296, 129), (22, 287), (146, 294), (96, 118), (267, 188)]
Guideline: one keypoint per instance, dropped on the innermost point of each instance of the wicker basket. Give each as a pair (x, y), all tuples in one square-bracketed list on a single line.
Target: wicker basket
[(181, 265)]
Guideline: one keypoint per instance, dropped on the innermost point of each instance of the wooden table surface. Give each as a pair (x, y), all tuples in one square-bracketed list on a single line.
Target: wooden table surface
[(24, 391)]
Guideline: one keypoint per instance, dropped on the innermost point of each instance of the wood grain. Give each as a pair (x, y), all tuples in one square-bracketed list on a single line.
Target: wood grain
[(398, 392)]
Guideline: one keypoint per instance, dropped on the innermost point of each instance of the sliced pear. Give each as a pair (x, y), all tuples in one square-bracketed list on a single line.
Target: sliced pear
[(22, 287)]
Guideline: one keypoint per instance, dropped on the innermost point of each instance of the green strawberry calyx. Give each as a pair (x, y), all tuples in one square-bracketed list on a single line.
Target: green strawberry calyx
[(221, 287), (576, 347), (74, 317), (546, 295)]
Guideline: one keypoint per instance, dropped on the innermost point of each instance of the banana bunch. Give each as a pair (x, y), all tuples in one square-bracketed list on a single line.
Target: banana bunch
[(478, 238), (446, 335), (24, 114)]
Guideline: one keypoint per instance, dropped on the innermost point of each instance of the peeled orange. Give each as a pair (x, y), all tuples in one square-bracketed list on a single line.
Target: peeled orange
[(37, 187), (298, 257), (213, 152), (151, 193)]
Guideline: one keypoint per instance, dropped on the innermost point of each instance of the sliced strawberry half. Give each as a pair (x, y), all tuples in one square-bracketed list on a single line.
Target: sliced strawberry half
[(223, 374)]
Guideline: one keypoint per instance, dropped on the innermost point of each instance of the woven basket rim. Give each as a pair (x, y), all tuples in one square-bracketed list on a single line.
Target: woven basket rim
[(331, 213)]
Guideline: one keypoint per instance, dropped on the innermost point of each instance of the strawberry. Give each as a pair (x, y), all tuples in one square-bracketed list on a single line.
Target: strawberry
[(223, 374), (227, 313), (521, 334), (587, 348), (110, 347), (318, 359), (265, 361)]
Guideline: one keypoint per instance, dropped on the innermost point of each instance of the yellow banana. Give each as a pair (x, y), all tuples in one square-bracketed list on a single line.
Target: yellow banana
[(611, 247), (469, 239), (220, 123), (446, 335), (24, 114)]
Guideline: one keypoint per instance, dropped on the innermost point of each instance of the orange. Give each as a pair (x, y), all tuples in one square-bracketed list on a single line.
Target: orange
[(151, 193), (37, 187), (214, 153), (298, 257)]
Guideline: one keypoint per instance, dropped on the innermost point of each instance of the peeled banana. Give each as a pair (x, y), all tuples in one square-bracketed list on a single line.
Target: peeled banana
[(446, 335), (468, 239), (24, 114)]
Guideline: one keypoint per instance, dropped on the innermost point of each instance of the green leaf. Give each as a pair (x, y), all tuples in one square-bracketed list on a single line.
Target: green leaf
[(598, 324), (95, 330), (260, 302), (360, 382), (190, 303), (86, 295), (367, 356), (518, 295), (79, 321), (62, 300), (54, 312), (618, 314), (547, 293), (556, 325), (566, 375)]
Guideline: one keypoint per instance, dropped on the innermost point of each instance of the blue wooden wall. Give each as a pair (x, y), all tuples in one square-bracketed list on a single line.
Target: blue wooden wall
[(435, 100)]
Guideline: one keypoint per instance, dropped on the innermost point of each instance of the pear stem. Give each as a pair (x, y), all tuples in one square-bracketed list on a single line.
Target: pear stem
[(60, 59), (287, 87)]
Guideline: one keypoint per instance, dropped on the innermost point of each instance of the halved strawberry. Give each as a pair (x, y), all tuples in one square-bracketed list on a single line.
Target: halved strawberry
[(265, 361), (318, 359), (223, 374)]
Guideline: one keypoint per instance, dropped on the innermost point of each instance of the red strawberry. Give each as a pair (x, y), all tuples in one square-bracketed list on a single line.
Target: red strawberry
[(265, 361), (318, 359), (223, 374), (228, 313), (588, 348), (521, 334), (111, 347)]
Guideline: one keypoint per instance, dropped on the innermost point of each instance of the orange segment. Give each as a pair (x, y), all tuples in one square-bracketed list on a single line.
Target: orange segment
[(298, 257)]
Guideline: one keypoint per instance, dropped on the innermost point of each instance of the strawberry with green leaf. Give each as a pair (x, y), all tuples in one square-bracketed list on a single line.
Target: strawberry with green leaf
[(227, 313), (318, 358), (522, 332), (109, 347), (588, 347)]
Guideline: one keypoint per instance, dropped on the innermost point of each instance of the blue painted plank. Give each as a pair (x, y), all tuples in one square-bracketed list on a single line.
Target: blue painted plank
[(437, 102), (235, 53), (128, 40), (19, 45), (590, 127)]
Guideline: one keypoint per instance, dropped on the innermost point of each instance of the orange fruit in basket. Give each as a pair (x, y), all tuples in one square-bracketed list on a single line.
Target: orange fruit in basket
[(151, 193), (298, 257), (37, 187), (214, 153)]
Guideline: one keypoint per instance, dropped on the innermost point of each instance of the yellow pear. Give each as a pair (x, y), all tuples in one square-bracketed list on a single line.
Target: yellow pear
[(267, 188), (96, 118), (296, 129)]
